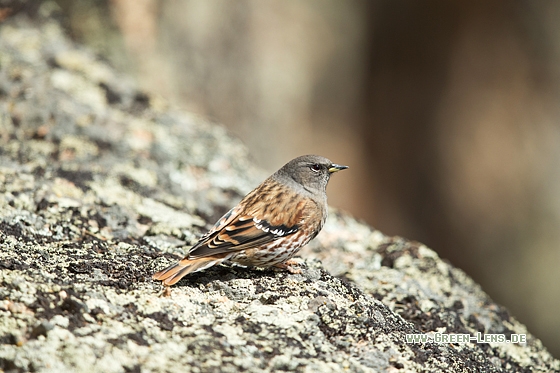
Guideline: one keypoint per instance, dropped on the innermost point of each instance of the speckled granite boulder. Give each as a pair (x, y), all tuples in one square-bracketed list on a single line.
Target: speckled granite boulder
[(100, 185)]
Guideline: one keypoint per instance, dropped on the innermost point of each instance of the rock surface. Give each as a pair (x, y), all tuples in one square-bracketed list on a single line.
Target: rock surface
[(102, 185)]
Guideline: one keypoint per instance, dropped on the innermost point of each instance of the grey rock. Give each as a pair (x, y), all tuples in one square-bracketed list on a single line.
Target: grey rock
[(102, 185)]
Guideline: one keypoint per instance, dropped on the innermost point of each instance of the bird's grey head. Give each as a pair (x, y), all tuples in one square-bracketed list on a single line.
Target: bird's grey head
[(312, 172)]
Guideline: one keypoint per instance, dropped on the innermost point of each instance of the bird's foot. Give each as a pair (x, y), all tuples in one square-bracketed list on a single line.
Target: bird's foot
[(166, 292), (287, 265)]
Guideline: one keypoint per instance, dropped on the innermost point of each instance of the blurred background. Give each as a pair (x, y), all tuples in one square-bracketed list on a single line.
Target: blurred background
[(448, 113)]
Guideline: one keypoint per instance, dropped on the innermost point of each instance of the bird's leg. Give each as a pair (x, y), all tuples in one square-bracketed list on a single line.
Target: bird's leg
[(287, 265), (166, 291)]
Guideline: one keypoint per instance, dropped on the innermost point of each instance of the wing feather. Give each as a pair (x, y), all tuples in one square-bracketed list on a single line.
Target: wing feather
[(248, 225)]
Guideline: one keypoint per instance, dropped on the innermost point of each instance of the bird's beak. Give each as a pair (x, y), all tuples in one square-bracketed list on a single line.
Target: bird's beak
[(336, 167)]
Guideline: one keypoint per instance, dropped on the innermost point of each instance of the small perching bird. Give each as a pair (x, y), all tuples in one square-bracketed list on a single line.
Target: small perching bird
[(270, 224)]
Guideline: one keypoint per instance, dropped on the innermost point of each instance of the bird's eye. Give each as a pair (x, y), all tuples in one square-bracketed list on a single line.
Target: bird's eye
[(315, 167)]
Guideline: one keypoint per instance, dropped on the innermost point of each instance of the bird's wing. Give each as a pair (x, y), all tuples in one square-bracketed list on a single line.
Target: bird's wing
[(261, 217)]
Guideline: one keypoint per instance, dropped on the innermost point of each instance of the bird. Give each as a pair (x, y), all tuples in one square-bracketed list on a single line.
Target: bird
[(270, 224)]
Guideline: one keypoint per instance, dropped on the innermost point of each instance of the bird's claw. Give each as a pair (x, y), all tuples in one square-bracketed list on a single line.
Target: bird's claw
[(287, 265)]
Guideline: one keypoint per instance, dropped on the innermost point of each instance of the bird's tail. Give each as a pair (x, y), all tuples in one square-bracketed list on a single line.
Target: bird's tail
[(177, 271)]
